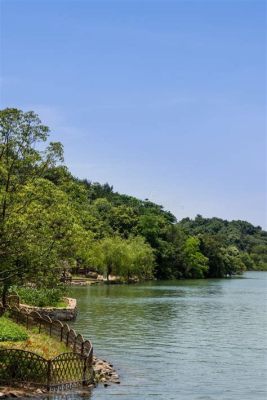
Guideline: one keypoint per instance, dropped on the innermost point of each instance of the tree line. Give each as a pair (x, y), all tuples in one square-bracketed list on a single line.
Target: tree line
[(51, 221)]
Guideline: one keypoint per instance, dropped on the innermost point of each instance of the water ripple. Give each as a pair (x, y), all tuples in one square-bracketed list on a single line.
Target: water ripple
[(190, 340)]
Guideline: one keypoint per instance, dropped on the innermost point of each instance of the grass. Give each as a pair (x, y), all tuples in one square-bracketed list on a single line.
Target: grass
[(59, 304), (62, 304), (38, 343), (11, 332)]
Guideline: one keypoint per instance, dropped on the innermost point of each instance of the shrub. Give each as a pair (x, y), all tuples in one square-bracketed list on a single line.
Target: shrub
[(40, 297)]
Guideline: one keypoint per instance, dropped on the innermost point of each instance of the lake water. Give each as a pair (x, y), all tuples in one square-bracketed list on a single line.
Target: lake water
[(179, 340)]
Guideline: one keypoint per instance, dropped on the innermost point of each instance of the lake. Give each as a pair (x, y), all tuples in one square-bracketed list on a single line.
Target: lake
[(179, 340)]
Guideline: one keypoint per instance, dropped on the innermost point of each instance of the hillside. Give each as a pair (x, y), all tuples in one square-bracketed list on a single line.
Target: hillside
[(52, 222), (230, 247)]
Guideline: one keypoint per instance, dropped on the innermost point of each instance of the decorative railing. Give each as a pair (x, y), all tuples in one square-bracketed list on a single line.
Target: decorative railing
[(65, 370)]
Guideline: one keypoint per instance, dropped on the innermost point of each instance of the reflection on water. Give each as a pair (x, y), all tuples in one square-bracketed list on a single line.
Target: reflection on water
[(77, 395), (179, 340)]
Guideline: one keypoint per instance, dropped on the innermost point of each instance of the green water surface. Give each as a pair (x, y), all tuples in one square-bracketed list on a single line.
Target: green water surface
[(187, 340)]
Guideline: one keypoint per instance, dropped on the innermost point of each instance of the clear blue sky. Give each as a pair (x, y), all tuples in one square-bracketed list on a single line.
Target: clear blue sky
[(162, 99)]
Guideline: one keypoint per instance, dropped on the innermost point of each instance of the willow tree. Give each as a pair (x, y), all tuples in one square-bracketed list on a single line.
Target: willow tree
[(125, 258), (139, 260)]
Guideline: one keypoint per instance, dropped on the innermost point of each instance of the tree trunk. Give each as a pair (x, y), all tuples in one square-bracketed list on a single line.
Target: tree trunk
[(4, 294), (109, 269)]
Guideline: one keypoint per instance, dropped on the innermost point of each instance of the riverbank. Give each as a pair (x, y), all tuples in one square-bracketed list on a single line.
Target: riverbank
[(104, 373), (15, 336)]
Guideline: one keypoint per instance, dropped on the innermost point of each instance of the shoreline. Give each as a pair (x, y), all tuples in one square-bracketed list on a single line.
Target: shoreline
[(104, 373)]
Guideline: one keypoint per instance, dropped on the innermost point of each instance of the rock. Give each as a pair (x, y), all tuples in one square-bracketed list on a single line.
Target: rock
[(104, 372), (23, 393), (91, 386), (92, 275)]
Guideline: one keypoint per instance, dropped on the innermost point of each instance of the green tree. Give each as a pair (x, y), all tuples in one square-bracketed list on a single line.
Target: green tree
[(223, 260), (123, 220), (21, 167), (139, 260), (109, 255), (195, 263), (247, 261), (212, 248), (125, 258), (258, 254), (233, 262)]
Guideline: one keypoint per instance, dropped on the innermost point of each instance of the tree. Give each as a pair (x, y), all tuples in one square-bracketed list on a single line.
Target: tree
[(123, 220), (212, 248), (223, 260), (247, 261), (233, 262), (152, 227), (109, 255), (125, 258), (195, 263), (21, 167), (139, 260)]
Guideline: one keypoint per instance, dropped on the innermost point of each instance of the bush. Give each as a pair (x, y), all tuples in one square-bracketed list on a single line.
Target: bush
[(40, 297), (11, 332)]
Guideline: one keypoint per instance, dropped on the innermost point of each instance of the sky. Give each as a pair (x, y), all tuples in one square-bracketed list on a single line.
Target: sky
[(163, 99)]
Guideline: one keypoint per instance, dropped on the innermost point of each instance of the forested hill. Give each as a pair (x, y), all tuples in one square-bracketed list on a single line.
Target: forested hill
[(51, 221), (250, 240), (200, 247)]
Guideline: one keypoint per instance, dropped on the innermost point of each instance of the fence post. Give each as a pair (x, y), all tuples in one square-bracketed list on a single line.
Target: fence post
[(67, 338), (49, 369), (84, 371), (82, 349)]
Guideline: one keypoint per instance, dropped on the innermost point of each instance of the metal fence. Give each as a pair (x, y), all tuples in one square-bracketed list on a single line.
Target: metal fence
[(65, 370)]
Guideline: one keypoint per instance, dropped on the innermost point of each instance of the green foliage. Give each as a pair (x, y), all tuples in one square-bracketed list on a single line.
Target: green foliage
[(140, 259), (258, 255), (51, 221), (219, 236), (10, 331), (126, 258), (195, 263), (29, 205), (40, 343), (40, 230), (211, 247), (123, 220), (40, 297)]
